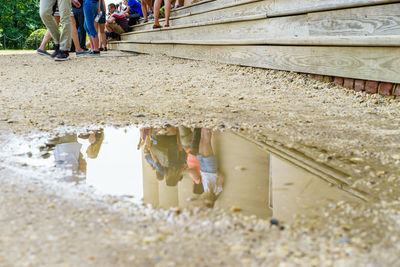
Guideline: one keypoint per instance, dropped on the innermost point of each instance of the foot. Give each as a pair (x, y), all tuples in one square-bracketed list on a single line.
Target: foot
[(62, 56), (56, 51), (166, 25), (94, 53), (42, 52), (157, 26), (81, 53)]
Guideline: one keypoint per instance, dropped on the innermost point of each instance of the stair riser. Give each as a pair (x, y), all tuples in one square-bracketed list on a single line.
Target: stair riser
[(355, 62)]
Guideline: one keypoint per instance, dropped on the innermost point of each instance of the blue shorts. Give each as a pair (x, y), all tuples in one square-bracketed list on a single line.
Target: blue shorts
[(90, 8), (208, 164)]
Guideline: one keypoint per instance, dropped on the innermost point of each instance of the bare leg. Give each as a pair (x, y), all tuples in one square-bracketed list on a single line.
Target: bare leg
[(167, 11), (144, 9), (47, 36), (156, 9), (102, 35), (75, 37), (45, 41)]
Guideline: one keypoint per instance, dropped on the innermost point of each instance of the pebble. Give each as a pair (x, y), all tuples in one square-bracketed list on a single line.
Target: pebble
[(274, 221)]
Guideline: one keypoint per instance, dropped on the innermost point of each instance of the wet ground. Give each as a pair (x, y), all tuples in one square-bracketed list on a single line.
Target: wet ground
[(321, 161), (248, 178)]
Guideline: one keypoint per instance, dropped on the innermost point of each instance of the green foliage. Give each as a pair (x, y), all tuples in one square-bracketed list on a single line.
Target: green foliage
[(18, 18), (36, 38)]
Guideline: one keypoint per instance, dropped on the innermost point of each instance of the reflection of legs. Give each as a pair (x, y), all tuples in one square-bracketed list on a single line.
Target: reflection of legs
[(194, 146), (205, 148)]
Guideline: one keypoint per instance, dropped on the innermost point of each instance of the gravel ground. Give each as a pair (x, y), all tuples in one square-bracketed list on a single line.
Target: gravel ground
[(43, 224)]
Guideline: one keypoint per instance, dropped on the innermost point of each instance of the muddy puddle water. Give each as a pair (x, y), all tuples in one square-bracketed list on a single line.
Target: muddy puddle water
[(178, 166)]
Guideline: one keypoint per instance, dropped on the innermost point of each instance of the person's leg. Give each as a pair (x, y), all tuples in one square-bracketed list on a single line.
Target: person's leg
[(75, 37), (181, 3), (156, 10), (102, 36), (144, 9), (167, 7), (80, 21), (65, 19), (90, 10), (45, 41), (46, 10)]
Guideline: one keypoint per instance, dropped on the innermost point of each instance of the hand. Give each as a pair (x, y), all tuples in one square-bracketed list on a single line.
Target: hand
[(76, 3)]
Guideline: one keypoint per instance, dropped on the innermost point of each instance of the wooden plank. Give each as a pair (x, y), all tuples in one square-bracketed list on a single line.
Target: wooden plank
[(384, 41), (292, 7), (357, 24), (219, 10), (369, 63)]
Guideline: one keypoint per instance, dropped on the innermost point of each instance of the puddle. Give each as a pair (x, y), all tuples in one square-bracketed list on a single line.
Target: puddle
[(168, 167)]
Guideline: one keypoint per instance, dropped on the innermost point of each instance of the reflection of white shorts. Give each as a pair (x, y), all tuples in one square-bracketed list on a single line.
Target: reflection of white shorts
[(209, 181)]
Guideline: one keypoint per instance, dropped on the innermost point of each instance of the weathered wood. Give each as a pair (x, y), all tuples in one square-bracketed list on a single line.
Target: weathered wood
[(218, 10), (369, 63), (383, 41), (361, 26)]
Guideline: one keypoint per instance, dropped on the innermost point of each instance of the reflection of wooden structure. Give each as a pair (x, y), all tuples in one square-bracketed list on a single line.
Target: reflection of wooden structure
[(348, 38)]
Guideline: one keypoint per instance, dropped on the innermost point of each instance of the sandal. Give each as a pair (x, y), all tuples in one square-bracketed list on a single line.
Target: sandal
[(166, 25), (157, 26)]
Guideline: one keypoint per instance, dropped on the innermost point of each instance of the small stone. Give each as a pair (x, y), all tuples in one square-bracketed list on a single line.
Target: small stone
[(10, 121), (61, 123), (101, 70), (344, 240), (92, 258), (240, 168), (153, 239), (235, 209), (274, 221), (140, 116), (346, 227)]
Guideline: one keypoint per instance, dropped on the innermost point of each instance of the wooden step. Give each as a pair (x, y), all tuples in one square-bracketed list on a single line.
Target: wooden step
[(369, 26), (212, 11), (367, 63)]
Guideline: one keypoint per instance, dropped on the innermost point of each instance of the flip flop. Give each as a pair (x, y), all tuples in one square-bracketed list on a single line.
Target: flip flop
[(166, 25), (157, 26)]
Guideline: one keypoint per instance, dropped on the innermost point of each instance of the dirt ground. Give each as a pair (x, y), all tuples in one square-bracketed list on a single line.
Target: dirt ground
[(44, 224)]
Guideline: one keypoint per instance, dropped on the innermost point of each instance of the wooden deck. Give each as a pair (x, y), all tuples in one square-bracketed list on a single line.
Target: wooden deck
[(357, 39)]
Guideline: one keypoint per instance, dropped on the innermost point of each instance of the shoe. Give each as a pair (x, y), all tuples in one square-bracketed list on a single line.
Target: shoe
[(144, 21), (101, 49), (157, 26), (62, 56), (56, 51), (42, 52), (81, 53), (94, 53)]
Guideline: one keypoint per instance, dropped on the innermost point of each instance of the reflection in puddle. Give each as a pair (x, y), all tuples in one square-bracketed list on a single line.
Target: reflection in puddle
[(178, 166)]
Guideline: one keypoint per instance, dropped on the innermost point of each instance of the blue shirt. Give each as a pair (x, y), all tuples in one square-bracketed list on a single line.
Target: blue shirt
[(135, 7)]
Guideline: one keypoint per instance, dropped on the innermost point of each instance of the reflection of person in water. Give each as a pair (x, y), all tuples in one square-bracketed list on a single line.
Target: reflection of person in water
[(67, 154), (164, 152), (203, 167), (95, 139)]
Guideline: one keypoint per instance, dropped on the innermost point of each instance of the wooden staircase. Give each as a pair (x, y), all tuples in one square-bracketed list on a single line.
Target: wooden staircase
[(358, 39)]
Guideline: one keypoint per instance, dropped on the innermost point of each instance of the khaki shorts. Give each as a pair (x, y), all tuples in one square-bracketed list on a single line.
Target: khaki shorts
[(116, 28)]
